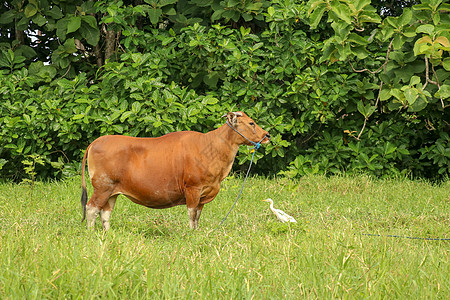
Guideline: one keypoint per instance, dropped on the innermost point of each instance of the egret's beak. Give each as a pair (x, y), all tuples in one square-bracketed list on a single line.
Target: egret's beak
[(265, 200)]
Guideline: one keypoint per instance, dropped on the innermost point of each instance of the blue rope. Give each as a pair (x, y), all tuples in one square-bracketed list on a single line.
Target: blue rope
[(240, 192), (408, 237), (256, 147)]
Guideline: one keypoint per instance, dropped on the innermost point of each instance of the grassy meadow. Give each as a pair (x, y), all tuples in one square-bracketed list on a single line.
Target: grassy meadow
[(45, 252)]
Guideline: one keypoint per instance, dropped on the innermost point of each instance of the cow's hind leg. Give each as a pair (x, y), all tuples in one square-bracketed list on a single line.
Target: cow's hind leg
[(91, 215), (105, 212), (95, 205)]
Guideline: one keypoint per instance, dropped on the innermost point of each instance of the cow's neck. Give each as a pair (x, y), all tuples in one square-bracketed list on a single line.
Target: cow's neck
[(226, 140), (225, 144)]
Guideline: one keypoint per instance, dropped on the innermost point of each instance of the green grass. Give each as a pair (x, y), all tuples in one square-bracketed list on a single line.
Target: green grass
[(46, 253)]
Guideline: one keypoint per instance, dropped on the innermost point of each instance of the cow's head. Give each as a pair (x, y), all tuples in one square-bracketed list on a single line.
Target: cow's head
[(247, 128)]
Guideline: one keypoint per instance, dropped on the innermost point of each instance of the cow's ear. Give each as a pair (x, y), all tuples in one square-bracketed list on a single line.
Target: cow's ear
[(232, 118)]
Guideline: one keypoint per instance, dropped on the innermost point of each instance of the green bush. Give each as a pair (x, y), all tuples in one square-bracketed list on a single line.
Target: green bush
[(292, 67)]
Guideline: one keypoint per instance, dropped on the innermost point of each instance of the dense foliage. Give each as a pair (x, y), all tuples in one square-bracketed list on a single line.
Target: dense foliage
[(342, 86)]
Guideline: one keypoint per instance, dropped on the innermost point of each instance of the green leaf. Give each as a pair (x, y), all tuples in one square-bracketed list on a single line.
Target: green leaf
[(73, 24), (436, 19), (157, 123), (369, 17), (2, 162), (344, 51), (271, 11), (154, 15), (125, 115), (61, 28), (211, 100), (166, 2), (217, 15), (91, 20), (27, 119), (211, 79), (361, 4), (171, 12), (444, 7), (18, 59), (406, 17), (427, 28), (316, 16), (78, 116), (312, 4), (360, 52), (420, 43), (54, 12), (409, 33), (396, 93), (356, 38), (136, 107), (30, 10), (446, 63), (393, 21), (389, 148), (23, 23), (26, 51), (39, 20), (414, 80), (229, 45), (167, 40), (419, 104), (69, 46), (424, 6), (8, 17), (328, 50), (387, 32), (247, 17), (443, 92), (342, 11), (411, 95), (398, 42), (385, 94), (90, 34), (256, 46), (245, 31), (365, 110), (341, 30)]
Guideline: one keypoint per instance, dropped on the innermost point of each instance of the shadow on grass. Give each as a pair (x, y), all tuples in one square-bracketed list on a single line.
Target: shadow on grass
[(148, 228), (278, 228)]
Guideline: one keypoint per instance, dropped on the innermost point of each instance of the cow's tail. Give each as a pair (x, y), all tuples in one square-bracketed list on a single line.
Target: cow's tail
[(83, 185)]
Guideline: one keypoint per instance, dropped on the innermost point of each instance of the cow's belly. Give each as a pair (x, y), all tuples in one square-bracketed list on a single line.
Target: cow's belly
[(157, 203), (160, 191), (153, 198)]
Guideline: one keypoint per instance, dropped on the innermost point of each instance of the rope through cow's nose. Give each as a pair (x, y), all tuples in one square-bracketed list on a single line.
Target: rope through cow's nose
[(256, 145)]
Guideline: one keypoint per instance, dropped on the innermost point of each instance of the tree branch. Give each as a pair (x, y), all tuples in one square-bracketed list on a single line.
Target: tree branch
[(427, 75), (428, 80), (383, 66), (437, 83)]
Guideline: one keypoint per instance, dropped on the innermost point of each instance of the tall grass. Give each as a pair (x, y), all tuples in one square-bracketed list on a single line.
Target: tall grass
[(46, 253)]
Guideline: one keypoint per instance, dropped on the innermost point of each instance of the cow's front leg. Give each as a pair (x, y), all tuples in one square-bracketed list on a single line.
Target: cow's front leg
[(192, 203), (192, 211), (197, 214)]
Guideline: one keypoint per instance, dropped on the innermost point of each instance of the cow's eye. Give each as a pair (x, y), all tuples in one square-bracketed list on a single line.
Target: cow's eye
[(251, 123)]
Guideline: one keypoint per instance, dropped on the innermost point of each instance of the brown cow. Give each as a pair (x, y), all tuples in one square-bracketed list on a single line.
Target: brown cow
[(178, 168)]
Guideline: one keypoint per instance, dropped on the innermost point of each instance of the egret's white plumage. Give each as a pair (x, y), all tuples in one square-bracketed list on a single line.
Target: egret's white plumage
[(281, 215)]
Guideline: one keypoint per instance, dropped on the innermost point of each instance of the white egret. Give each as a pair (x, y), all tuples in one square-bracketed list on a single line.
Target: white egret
[(281, 215)]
